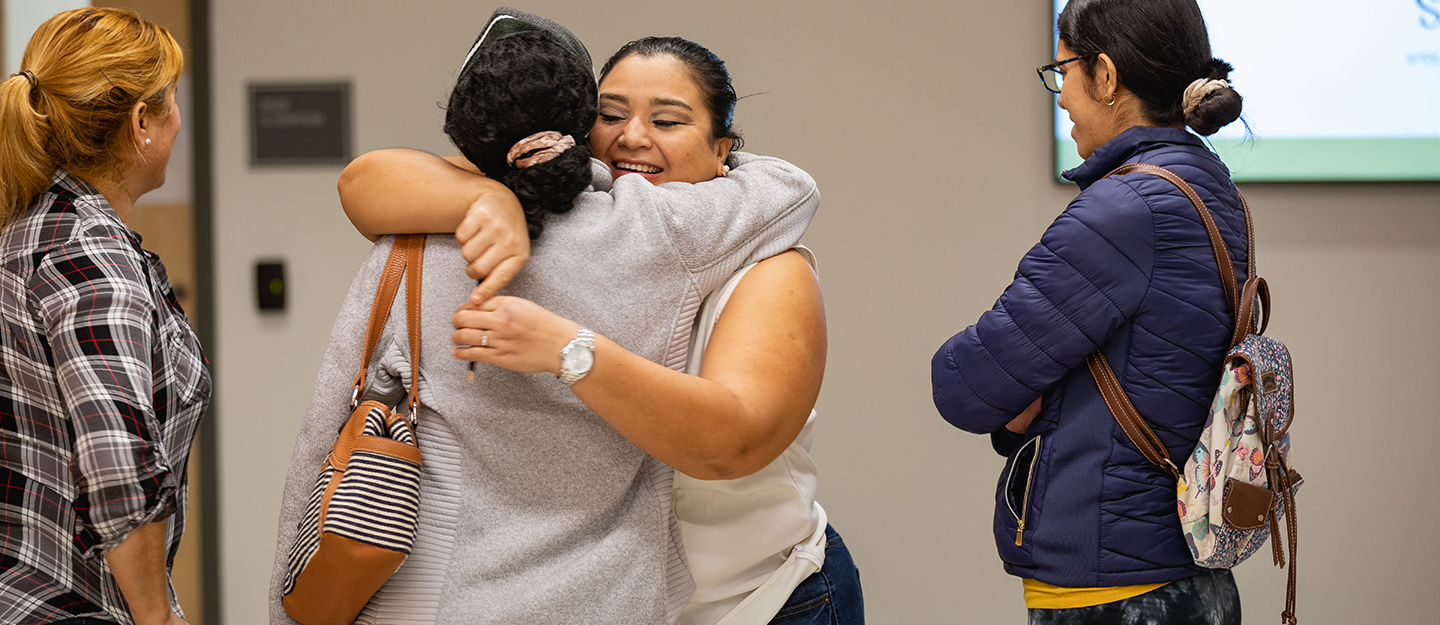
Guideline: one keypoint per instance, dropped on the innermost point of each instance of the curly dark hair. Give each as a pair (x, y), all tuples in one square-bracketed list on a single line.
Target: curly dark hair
[(515, 87)]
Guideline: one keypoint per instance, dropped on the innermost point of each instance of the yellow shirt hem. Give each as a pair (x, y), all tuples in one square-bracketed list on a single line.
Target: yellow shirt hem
[(1042, 596)]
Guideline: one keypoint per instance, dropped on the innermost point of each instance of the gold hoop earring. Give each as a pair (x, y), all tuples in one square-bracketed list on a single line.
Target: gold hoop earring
[(1112, 100)]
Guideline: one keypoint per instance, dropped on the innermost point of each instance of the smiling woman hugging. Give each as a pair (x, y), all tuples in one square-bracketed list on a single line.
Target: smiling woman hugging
[(664, 138), (545, 472), (690, 142)]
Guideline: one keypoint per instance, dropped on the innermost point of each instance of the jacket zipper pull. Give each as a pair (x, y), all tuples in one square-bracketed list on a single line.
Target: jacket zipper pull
[(1020, 532)]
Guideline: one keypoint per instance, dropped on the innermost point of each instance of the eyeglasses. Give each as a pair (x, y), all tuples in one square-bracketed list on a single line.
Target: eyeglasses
[(1052, 77)]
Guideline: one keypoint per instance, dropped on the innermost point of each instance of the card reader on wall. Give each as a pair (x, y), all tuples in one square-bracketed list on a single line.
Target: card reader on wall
[(270, 286)]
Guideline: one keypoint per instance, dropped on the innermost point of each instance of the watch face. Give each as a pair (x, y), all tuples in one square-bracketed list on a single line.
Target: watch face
[(579, 359)]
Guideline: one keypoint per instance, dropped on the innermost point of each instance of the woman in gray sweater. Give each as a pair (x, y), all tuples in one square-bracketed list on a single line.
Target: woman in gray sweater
[(533, 509)]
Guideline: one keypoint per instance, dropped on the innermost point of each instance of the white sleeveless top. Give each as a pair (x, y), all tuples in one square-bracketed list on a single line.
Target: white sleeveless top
[(737, 533)]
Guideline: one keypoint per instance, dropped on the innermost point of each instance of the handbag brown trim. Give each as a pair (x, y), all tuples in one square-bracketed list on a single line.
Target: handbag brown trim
[(406, 260), (335, 575)]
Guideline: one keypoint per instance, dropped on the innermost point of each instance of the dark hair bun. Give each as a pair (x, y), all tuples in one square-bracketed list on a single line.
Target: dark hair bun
[(515, 87), (1215, 109), (550, 188)]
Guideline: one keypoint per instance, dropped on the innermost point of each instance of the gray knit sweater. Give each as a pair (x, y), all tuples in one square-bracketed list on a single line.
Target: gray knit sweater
[(534, 510)]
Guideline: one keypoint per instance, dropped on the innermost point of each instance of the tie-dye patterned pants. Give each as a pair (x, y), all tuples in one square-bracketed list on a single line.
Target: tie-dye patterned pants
[(1209, 598)]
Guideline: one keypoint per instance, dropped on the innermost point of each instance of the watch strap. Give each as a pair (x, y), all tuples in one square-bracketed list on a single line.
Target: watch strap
[(583, 339)]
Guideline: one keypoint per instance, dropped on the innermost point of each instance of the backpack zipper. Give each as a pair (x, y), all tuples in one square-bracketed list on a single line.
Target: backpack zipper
[(1025, 499)]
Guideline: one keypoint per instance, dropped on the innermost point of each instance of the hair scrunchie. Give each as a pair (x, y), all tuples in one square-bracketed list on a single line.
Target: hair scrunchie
[(1196, 92), (30, 76), (538, 148)]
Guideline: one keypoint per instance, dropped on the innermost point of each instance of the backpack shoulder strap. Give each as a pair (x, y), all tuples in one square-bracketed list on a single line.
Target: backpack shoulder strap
[(1121, 408), (1128, 416)]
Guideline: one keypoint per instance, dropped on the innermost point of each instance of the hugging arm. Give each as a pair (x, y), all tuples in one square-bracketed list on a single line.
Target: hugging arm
[(738, 415), (747, 406), (758, 211), (399, 191)]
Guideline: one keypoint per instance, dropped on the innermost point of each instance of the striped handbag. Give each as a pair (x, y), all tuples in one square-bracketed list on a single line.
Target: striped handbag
[(360, 524)]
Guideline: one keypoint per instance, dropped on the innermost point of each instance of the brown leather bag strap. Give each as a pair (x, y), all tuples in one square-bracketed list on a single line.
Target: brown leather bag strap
[(1248, 317), (1292, 524), (1124, 411), (1250, 269), (380, 312), (1282, 482), (1217, 242), (413, 270), (1252, 273), (1127, 416)]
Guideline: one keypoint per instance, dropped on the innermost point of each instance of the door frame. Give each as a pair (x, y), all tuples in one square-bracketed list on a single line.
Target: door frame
[(203, 176)]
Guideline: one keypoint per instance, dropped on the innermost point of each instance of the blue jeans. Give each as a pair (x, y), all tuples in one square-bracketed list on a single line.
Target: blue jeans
[(1209, 598), (829, 597)]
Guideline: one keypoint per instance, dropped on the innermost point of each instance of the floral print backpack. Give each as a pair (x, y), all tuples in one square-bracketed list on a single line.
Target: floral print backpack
[(1237, 484)]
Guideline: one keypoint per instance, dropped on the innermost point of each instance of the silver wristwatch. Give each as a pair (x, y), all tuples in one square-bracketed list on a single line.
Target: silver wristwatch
[(578, 357)]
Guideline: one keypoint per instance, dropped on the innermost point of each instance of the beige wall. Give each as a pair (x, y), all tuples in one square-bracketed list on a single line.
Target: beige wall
[(20, 19), (928, 131)]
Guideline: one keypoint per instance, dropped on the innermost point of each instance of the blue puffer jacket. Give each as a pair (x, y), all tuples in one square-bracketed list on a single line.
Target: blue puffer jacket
[(1128, 268)]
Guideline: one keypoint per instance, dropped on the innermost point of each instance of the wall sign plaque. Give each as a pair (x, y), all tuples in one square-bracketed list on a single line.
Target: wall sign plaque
[(300, 124)]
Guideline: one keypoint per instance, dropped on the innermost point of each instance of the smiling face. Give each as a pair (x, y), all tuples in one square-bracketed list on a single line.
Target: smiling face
[(653, 121)]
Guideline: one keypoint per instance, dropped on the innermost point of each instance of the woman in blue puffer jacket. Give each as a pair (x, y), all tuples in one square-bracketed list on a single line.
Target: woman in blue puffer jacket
[(1080, 515)]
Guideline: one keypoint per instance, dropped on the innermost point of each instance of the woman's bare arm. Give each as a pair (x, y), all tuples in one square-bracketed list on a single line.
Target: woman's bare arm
[(138, 564), (399, 191), (758, 382)]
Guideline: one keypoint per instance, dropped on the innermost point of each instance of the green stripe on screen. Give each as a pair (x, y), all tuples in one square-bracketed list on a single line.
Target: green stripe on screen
[(1313, 160)]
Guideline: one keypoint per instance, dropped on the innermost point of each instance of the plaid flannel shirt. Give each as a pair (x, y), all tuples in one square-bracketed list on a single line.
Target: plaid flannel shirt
[(102, 387)]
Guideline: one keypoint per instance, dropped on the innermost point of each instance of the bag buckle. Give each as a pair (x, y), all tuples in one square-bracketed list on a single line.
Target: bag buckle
[(1174, 471)]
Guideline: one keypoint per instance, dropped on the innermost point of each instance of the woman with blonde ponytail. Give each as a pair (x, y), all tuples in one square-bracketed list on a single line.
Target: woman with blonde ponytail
[(102, 381)]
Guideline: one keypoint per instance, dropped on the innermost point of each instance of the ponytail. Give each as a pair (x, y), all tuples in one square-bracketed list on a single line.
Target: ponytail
[(25, 166), (84, 71)]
